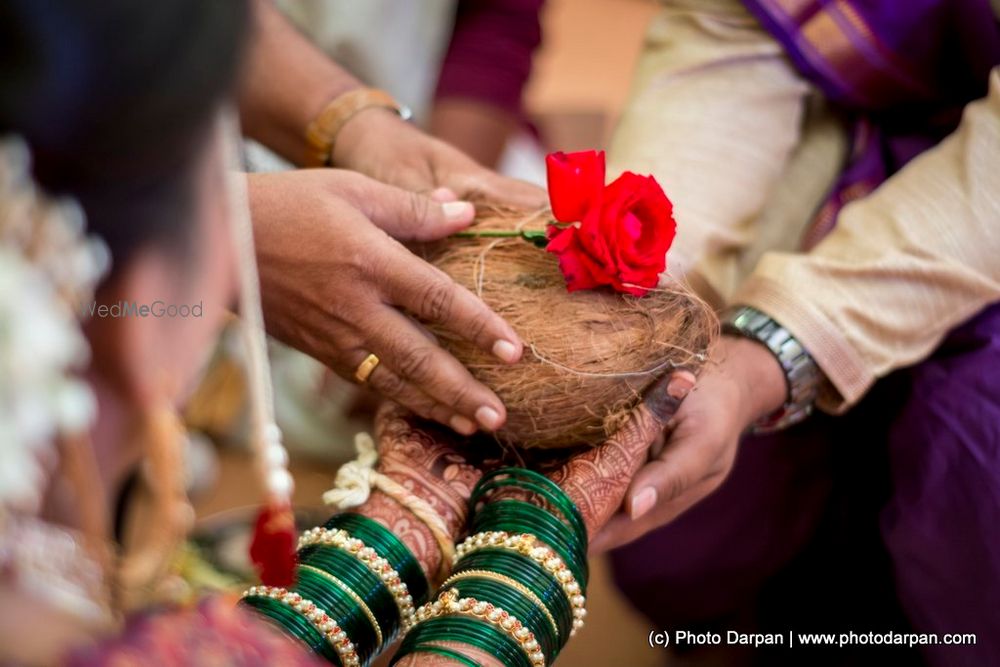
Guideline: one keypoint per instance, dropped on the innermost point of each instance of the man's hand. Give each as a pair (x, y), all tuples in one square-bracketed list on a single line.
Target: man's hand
[(741, 382), (338, 287), (378, 143)]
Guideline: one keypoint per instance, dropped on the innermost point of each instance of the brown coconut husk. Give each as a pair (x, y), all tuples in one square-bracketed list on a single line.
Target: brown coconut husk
[(589, 355)]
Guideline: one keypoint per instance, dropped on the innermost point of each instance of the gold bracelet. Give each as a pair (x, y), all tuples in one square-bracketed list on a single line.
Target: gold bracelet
[(365, 609), (378, 565), (322, 131), (449, 604), (504, 579), (529, 546), (319, 619)]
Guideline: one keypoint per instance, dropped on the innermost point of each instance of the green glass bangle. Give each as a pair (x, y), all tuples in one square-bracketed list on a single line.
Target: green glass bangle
[(540, 484), (567, 553), (445, 652), (290, 622), (528, 572), (360, 579), (463, 629), (337, 604), (518, 516), (514, 602), (390, 547)]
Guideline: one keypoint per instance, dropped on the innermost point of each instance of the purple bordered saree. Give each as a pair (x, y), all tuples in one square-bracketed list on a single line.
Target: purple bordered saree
[(902, 69)]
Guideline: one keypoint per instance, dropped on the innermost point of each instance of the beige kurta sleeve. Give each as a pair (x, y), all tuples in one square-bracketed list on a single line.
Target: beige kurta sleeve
[(904, 265), (716, 114)]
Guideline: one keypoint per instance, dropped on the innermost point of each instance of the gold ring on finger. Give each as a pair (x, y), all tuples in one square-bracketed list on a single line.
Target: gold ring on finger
[(365, 368)]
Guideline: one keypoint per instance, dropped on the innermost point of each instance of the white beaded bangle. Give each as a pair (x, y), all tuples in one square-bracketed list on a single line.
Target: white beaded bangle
[(378, 565), (319, 619), (528, 545), (449, 604)]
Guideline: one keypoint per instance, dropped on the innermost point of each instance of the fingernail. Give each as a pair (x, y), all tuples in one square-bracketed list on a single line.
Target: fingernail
[(643, 502), (680, 384), (458, 211), (488, 418), (506, 351), (462, 425)]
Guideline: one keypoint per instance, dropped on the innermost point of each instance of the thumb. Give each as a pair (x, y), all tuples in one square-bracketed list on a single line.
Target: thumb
[(412, 216)]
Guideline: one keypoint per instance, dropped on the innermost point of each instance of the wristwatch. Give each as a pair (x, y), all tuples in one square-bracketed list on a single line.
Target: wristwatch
[(802, 375), (323, 129)]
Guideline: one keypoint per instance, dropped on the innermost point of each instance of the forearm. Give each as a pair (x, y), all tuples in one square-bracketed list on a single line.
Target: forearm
[(479, 130), (287, 83), (903, 267)]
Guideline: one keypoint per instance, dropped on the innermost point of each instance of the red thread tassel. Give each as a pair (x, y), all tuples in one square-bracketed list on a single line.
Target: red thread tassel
[(272, 550)]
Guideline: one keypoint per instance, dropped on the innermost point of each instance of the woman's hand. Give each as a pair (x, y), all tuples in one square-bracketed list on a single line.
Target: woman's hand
[(336, 286), (378, 143), (597, 479), (741, 382), (432, 463)]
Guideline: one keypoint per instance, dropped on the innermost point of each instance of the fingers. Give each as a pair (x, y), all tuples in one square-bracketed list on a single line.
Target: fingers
[(389, 384), (670, 471), (424, 377), (664, 398), (494, 187), (432, 296), (689, 461), (622, 529), (410, 216), (596, 479)]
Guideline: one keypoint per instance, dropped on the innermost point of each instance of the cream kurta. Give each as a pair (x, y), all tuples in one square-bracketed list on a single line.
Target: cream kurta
[(738, 142)]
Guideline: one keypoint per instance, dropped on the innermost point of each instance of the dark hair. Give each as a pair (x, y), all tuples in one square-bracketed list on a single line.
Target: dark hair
[(114, 97)]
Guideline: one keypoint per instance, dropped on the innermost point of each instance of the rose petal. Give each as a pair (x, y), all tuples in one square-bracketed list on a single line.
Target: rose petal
[(576, 181)]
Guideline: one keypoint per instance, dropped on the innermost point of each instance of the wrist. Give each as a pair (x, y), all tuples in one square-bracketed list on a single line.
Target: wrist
[(372, 121), (760, 376), (801, 374), (324, 131)]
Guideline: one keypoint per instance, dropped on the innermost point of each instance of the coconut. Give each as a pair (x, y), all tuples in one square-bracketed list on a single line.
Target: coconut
[(589, 355)]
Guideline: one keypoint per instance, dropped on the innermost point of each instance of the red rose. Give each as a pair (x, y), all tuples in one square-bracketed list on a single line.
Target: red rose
[(622, 236)]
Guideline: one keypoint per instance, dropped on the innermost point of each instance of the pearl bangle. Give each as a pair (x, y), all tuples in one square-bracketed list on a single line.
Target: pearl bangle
[(365, 609), (449, 604), (319, 619), (378, 565), (528, 545)]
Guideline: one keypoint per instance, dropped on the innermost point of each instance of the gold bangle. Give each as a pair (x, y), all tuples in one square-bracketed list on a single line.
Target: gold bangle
[(378, 565), (322, 131), (529, 546), (504, 579), (365, 609), (328, 628), (449, 604)]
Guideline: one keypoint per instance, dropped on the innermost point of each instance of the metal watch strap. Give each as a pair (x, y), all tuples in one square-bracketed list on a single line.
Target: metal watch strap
[(802, 375)]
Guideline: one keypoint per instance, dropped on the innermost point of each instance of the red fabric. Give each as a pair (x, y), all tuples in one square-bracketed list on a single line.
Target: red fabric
[(489, 57)]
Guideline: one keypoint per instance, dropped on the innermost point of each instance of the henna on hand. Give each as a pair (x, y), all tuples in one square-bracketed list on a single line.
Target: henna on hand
[(597, 479), (430, 463)]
